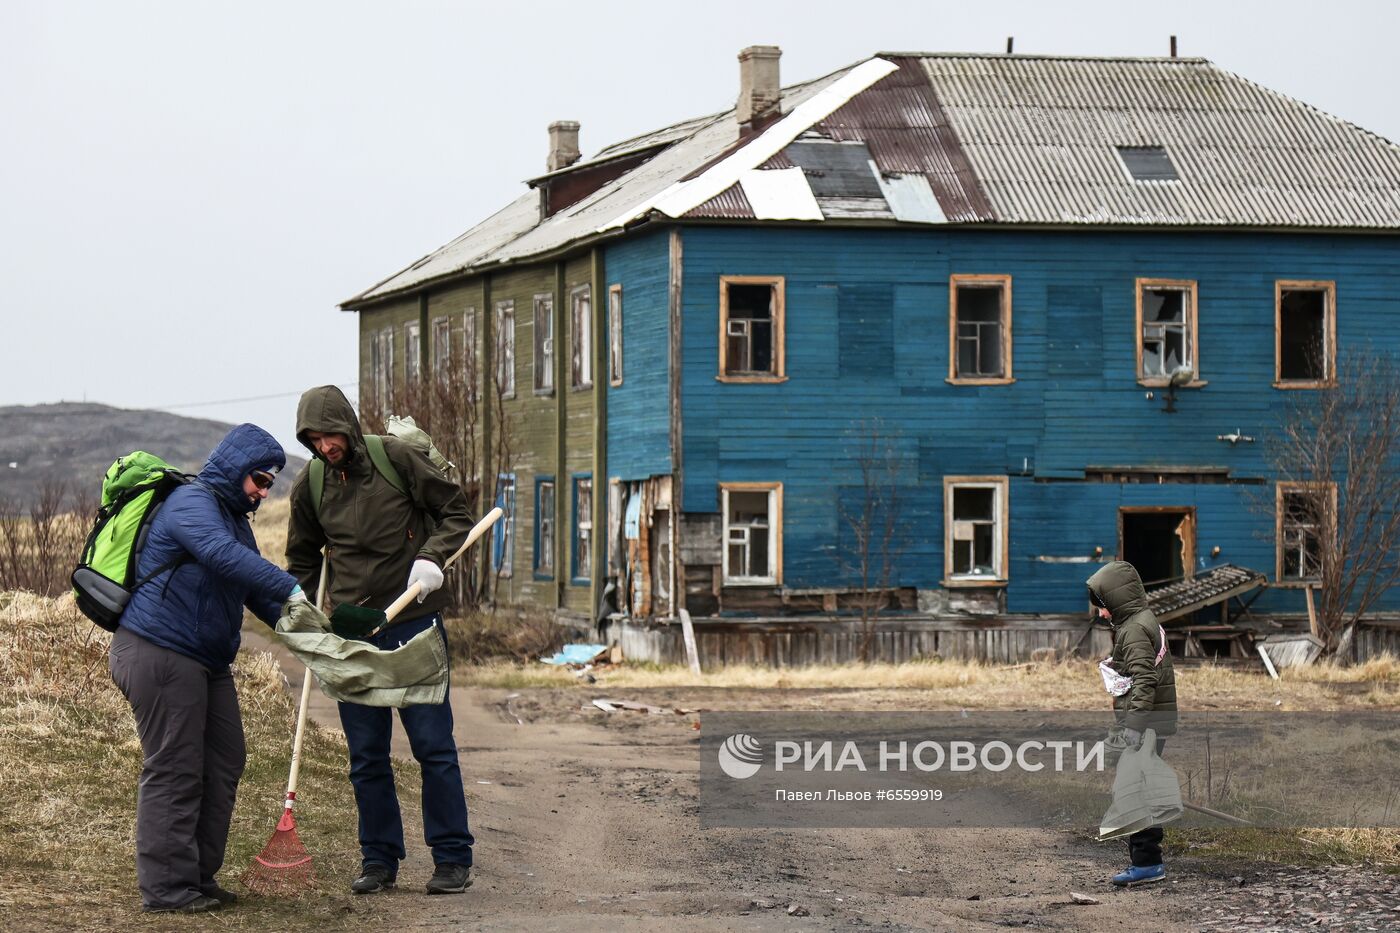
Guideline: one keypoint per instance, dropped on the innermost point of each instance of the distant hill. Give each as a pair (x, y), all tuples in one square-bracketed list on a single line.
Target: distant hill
[(75, 442)]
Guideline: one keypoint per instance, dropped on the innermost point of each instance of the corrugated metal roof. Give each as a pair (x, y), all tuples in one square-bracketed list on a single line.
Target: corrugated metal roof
[(995, 138), (1041, 135)]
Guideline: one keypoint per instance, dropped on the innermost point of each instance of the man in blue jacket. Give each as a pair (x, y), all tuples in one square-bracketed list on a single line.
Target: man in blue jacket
[(170, 657)]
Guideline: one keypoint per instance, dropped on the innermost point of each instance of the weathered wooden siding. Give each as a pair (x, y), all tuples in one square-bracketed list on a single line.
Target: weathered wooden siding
[(531, 425), (578, 412), (867, 336), (638, 410)]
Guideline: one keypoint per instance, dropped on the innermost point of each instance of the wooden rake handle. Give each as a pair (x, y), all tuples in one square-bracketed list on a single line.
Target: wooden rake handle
[(305, 694), (411, 593)]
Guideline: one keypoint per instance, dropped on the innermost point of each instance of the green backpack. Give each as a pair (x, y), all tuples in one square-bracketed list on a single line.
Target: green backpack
[(405, 430), (134, 489)]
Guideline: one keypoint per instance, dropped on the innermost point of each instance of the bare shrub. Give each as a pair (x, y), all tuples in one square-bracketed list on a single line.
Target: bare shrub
[(40, 546)]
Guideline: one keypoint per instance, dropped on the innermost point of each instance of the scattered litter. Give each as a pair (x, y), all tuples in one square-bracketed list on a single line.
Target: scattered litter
[(483, 782), (903, 871), (577, 654), (797, 910), (612, 706), (763, 903), (1077, 898), (974, 897)]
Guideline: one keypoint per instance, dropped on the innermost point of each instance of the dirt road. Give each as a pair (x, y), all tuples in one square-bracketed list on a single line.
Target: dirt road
[(588, 822)]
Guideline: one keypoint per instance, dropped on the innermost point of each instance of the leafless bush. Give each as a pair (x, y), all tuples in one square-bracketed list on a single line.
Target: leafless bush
[(1339, 447), (40, 546), (481, 636), (874, 522)]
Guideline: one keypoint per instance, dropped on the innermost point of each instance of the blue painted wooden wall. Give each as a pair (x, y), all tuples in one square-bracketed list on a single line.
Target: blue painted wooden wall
[(867, 335), (639, 418)]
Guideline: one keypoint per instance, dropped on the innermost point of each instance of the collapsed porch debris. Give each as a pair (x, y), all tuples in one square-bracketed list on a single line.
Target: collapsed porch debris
[(612, 706)]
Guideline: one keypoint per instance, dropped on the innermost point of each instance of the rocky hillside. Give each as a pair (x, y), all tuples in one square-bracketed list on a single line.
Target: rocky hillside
[(75, 442)]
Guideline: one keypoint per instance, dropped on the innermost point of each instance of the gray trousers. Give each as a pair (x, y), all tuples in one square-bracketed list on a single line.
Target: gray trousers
[(192, 739)]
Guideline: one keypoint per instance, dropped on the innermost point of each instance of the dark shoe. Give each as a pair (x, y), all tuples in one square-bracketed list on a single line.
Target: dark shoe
[(450, 879), (1139, 874), (373, 878), (200, 905), (223, 896)]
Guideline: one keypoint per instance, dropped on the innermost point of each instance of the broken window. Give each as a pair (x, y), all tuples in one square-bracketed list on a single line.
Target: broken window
[(503, 532), (544, 343), (381, 349), (615, 335), (441, 339), (981, 328), (1305, 331), (752, 532), (1302, 512), (1148, 163), (583, 529), (1166, 329), (975, 512), (581, 338), (751, 328), (505, 349), (412, 353), (544, 526)]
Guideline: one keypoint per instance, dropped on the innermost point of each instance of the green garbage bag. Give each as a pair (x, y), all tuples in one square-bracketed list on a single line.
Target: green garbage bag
[(357, 672)]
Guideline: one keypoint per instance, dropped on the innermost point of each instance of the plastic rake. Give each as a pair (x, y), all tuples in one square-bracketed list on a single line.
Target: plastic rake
[(284, 866)]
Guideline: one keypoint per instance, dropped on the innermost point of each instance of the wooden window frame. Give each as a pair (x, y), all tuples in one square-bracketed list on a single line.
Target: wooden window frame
[(1002, 484), (470, 359), (1329, 331), (1192, 326), (615, 335), (1007, 377), (544, 569), (1188, 545), (1281, 489), (543, 312), (505, 311), (775, 533), (412, 353), (440, 347), (580, 575), (382, 368), (779, 285), (580, 340), (503, 544)]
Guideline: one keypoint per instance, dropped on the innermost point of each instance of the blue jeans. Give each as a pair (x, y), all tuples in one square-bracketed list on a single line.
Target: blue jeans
[(368, 730)]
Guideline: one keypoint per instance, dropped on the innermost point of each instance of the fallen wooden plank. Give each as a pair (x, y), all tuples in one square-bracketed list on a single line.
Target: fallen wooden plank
[(1268, 664), (692, 653), (1227, 817)]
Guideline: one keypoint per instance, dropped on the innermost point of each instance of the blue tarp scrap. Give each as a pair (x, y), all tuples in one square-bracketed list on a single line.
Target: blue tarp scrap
[(632, 524), (575, 654)]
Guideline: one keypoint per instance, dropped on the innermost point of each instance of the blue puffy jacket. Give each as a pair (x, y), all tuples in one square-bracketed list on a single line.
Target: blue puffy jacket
[(196, 608)]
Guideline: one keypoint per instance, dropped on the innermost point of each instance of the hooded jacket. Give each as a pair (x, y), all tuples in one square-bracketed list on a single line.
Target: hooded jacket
[(1137, 638), (196, 608), (374, 532)]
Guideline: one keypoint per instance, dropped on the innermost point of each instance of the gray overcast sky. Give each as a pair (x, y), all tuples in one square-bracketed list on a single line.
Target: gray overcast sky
[(187, 190)]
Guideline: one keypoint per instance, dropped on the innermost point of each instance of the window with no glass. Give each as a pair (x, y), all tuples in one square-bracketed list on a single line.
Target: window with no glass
[(975, 534), (1305, 334), (751, 328), (980, 315), (1166, 324), (1301, 514), (752, 532)]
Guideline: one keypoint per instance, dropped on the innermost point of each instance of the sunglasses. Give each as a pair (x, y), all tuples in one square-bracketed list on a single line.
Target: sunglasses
[(262, 480)]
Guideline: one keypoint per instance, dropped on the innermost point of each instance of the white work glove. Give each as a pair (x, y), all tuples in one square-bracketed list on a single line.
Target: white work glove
[(427, 574)]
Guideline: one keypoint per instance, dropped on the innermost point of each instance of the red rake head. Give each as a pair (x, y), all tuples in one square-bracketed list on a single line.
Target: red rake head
[(284, 865)]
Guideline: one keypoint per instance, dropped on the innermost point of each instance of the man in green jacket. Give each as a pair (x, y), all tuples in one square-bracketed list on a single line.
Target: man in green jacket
[(1140, 653), (380, 542)]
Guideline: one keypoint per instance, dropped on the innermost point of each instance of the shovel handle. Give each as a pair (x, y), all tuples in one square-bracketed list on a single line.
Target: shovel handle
[(305, 696), (411, 594)]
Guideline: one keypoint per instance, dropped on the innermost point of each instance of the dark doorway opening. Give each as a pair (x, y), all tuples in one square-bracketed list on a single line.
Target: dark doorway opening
[(1160, 541)]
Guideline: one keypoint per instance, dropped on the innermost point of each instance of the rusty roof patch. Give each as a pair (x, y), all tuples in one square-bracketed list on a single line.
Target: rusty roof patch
[(729, 204), (900, 119)]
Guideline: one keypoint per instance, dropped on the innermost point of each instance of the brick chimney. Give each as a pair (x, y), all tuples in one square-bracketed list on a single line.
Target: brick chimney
[(563, 145), (758, 83)]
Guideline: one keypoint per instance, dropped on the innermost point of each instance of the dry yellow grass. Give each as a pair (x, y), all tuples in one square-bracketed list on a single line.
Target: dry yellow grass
[(69, 763), (270, 526), (960, 684)]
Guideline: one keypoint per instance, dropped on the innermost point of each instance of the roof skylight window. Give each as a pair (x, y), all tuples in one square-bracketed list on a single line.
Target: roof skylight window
[(1148, 163)]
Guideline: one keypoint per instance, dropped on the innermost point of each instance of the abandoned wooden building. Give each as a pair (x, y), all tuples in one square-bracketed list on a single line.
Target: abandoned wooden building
[(941, 332)]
